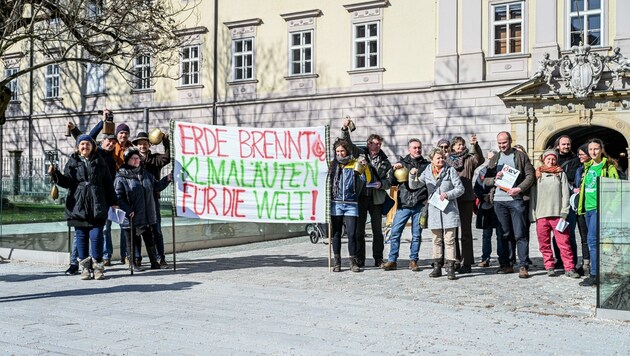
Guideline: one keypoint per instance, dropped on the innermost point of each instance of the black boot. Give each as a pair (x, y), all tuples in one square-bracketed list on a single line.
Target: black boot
[(152, 252), (437, 269), (451, 270), (337, 264), (354, 265)]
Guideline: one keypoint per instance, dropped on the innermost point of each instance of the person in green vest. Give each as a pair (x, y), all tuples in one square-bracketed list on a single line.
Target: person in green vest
[(601, 165)]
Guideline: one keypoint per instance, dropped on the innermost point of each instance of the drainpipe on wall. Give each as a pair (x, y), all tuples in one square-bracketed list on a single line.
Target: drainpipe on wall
[(30, 108), (145, 118), (215, 74)]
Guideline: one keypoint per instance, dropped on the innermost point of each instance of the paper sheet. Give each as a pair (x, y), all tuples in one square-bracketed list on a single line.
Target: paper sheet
[(437, 202), (116, 215)]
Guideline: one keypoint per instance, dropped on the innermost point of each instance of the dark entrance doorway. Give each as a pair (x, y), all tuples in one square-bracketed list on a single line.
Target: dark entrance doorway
[(614, 142)]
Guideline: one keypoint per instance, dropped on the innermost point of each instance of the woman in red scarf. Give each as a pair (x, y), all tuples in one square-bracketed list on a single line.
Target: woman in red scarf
[(550, 212)]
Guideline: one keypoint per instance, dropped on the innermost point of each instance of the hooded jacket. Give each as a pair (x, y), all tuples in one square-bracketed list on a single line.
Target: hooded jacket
[(90, 190), (134, 190)]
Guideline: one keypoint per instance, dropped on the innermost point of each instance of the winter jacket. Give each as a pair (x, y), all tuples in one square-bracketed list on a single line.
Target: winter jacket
[(134, 190), (90, 190), (526, 178), (108, 156), (119, 151), (609, 170), (407, 197), (156, 161), (467, 173), (451, 185), (380, 167), (349, 183), (486, 217), (550, 197), (570, 164)]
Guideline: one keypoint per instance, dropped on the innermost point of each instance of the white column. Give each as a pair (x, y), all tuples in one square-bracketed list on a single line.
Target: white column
[(446, 64), (546, 40), (622, 38), (471, 62)]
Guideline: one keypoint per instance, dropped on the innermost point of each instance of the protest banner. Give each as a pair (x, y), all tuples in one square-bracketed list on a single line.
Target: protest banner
[(272, 175)]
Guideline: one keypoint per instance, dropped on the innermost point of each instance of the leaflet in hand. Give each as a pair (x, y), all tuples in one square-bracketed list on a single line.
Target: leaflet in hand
[(507, 180), (562, 225), (437, 202), (116, 215)]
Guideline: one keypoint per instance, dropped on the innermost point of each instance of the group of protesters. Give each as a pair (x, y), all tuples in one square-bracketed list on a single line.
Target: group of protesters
[(117, 173), (445, 191)]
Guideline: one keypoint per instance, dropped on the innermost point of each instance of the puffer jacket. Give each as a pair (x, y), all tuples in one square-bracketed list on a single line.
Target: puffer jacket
[(349, 183), (90, 191), (407, 197), (134, 190)]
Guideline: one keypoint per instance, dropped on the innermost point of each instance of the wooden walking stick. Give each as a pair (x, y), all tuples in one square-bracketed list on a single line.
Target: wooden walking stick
[(130, 247), (329, 247)]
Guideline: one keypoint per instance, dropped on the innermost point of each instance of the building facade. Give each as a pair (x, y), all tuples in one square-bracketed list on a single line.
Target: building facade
[(399, 68)]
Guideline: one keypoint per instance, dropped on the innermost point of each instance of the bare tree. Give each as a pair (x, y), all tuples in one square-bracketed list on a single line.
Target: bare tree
[(110, 32)]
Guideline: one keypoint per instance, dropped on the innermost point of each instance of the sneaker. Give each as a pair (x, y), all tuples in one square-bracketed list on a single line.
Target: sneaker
[(413, 265), (163, 262), (505, 270), (485, 263), (464, 269), (390, 266), (572, 274), (590, 281), (72, 270), (551, 272), (523, 273), (378, 262)]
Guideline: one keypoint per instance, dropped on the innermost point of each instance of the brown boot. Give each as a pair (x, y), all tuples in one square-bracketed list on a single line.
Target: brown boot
[(523, 273), (413, 265), (354, 265), (390, 266)]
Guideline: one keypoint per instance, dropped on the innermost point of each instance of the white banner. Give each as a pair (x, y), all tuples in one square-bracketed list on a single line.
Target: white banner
[(250, 174)]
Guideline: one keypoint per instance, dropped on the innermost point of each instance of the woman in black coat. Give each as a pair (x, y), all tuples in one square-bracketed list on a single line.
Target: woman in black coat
[(90, 194), (134, 189)]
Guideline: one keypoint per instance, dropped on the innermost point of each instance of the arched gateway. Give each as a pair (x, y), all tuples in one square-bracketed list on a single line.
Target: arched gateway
[(576, 103)]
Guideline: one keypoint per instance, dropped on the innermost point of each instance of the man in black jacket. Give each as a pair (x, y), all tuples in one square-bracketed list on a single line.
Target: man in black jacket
[(569, 163), (153, 163), (372, 198), (410, 201)]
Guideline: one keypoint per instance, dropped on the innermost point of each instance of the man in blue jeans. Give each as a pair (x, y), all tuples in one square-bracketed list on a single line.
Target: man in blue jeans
[(509, 203), (410, 201)]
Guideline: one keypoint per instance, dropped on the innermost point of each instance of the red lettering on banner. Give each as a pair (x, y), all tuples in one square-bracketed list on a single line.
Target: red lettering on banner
[(202, 199), (231, 201), (219, 142), (184, 138)]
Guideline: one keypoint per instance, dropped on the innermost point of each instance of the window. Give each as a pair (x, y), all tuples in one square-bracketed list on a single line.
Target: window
[(190, 65), (13, 84), (585, 21), (143, 72), (94, 8), (52, 81), (301, 53), (507, 28), (243, 58), (366, 45), (95, 79)]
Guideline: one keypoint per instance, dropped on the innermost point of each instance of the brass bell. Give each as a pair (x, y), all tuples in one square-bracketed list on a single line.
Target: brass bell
[(359, 168), (402, 174), (156, 136)]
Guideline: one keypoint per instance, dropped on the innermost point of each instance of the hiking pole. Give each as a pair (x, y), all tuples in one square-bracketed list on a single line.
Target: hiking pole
[(130, 247)]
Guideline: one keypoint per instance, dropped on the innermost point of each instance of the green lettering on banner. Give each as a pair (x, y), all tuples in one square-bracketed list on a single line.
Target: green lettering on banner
[(185, 167), (313, 170), (280, 205), (271, 182), (215, 176)]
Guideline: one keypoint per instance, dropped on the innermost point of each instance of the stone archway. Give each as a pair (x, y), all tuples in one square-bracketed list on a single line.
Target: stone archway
[(614, 132)]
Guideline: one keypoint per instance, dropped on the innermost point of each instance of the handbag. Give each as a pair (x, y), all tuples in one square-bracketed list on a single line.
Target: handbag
[(388, 204)]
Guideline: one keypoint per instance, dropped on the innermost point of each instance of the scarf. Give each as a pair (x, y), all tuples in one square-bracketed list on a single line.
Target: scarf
[(456, 160), (544, 169), (436, 172)]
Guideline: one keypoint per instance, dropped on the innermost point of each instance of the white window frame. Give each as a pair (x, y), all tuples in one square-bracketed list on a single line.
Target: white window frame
[(302, 48), (244, 54), (13, 84), (366, 42), (190, 65), (507, 23), (52, 79), (142, 70), (95, 79), (585, 14)]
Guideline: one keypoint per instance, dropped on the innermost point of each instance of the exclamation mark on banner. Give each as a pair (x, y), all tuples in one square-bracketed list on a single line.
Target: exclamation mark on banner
[(313, 204)]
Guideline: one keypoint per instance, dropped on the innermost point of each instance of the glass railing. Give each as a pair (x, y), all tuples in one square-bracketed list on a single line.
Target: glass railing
[(614, 245)]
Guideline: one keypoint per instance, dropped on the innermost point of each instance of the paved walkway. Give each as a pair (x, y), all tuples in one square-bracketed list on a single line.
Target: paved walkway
[(279, 298)]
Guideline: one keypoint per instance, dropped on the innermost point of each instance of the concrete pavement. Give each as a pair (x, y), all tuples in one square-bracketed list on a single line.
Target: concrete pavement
[(279, 298)]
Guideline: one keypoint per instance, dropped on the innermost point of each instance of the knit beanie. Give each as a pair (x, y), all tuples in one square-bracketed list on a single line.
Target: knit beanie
[(129, 153), (85, 137), (122, 127), (548, 152), (443, 142)]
